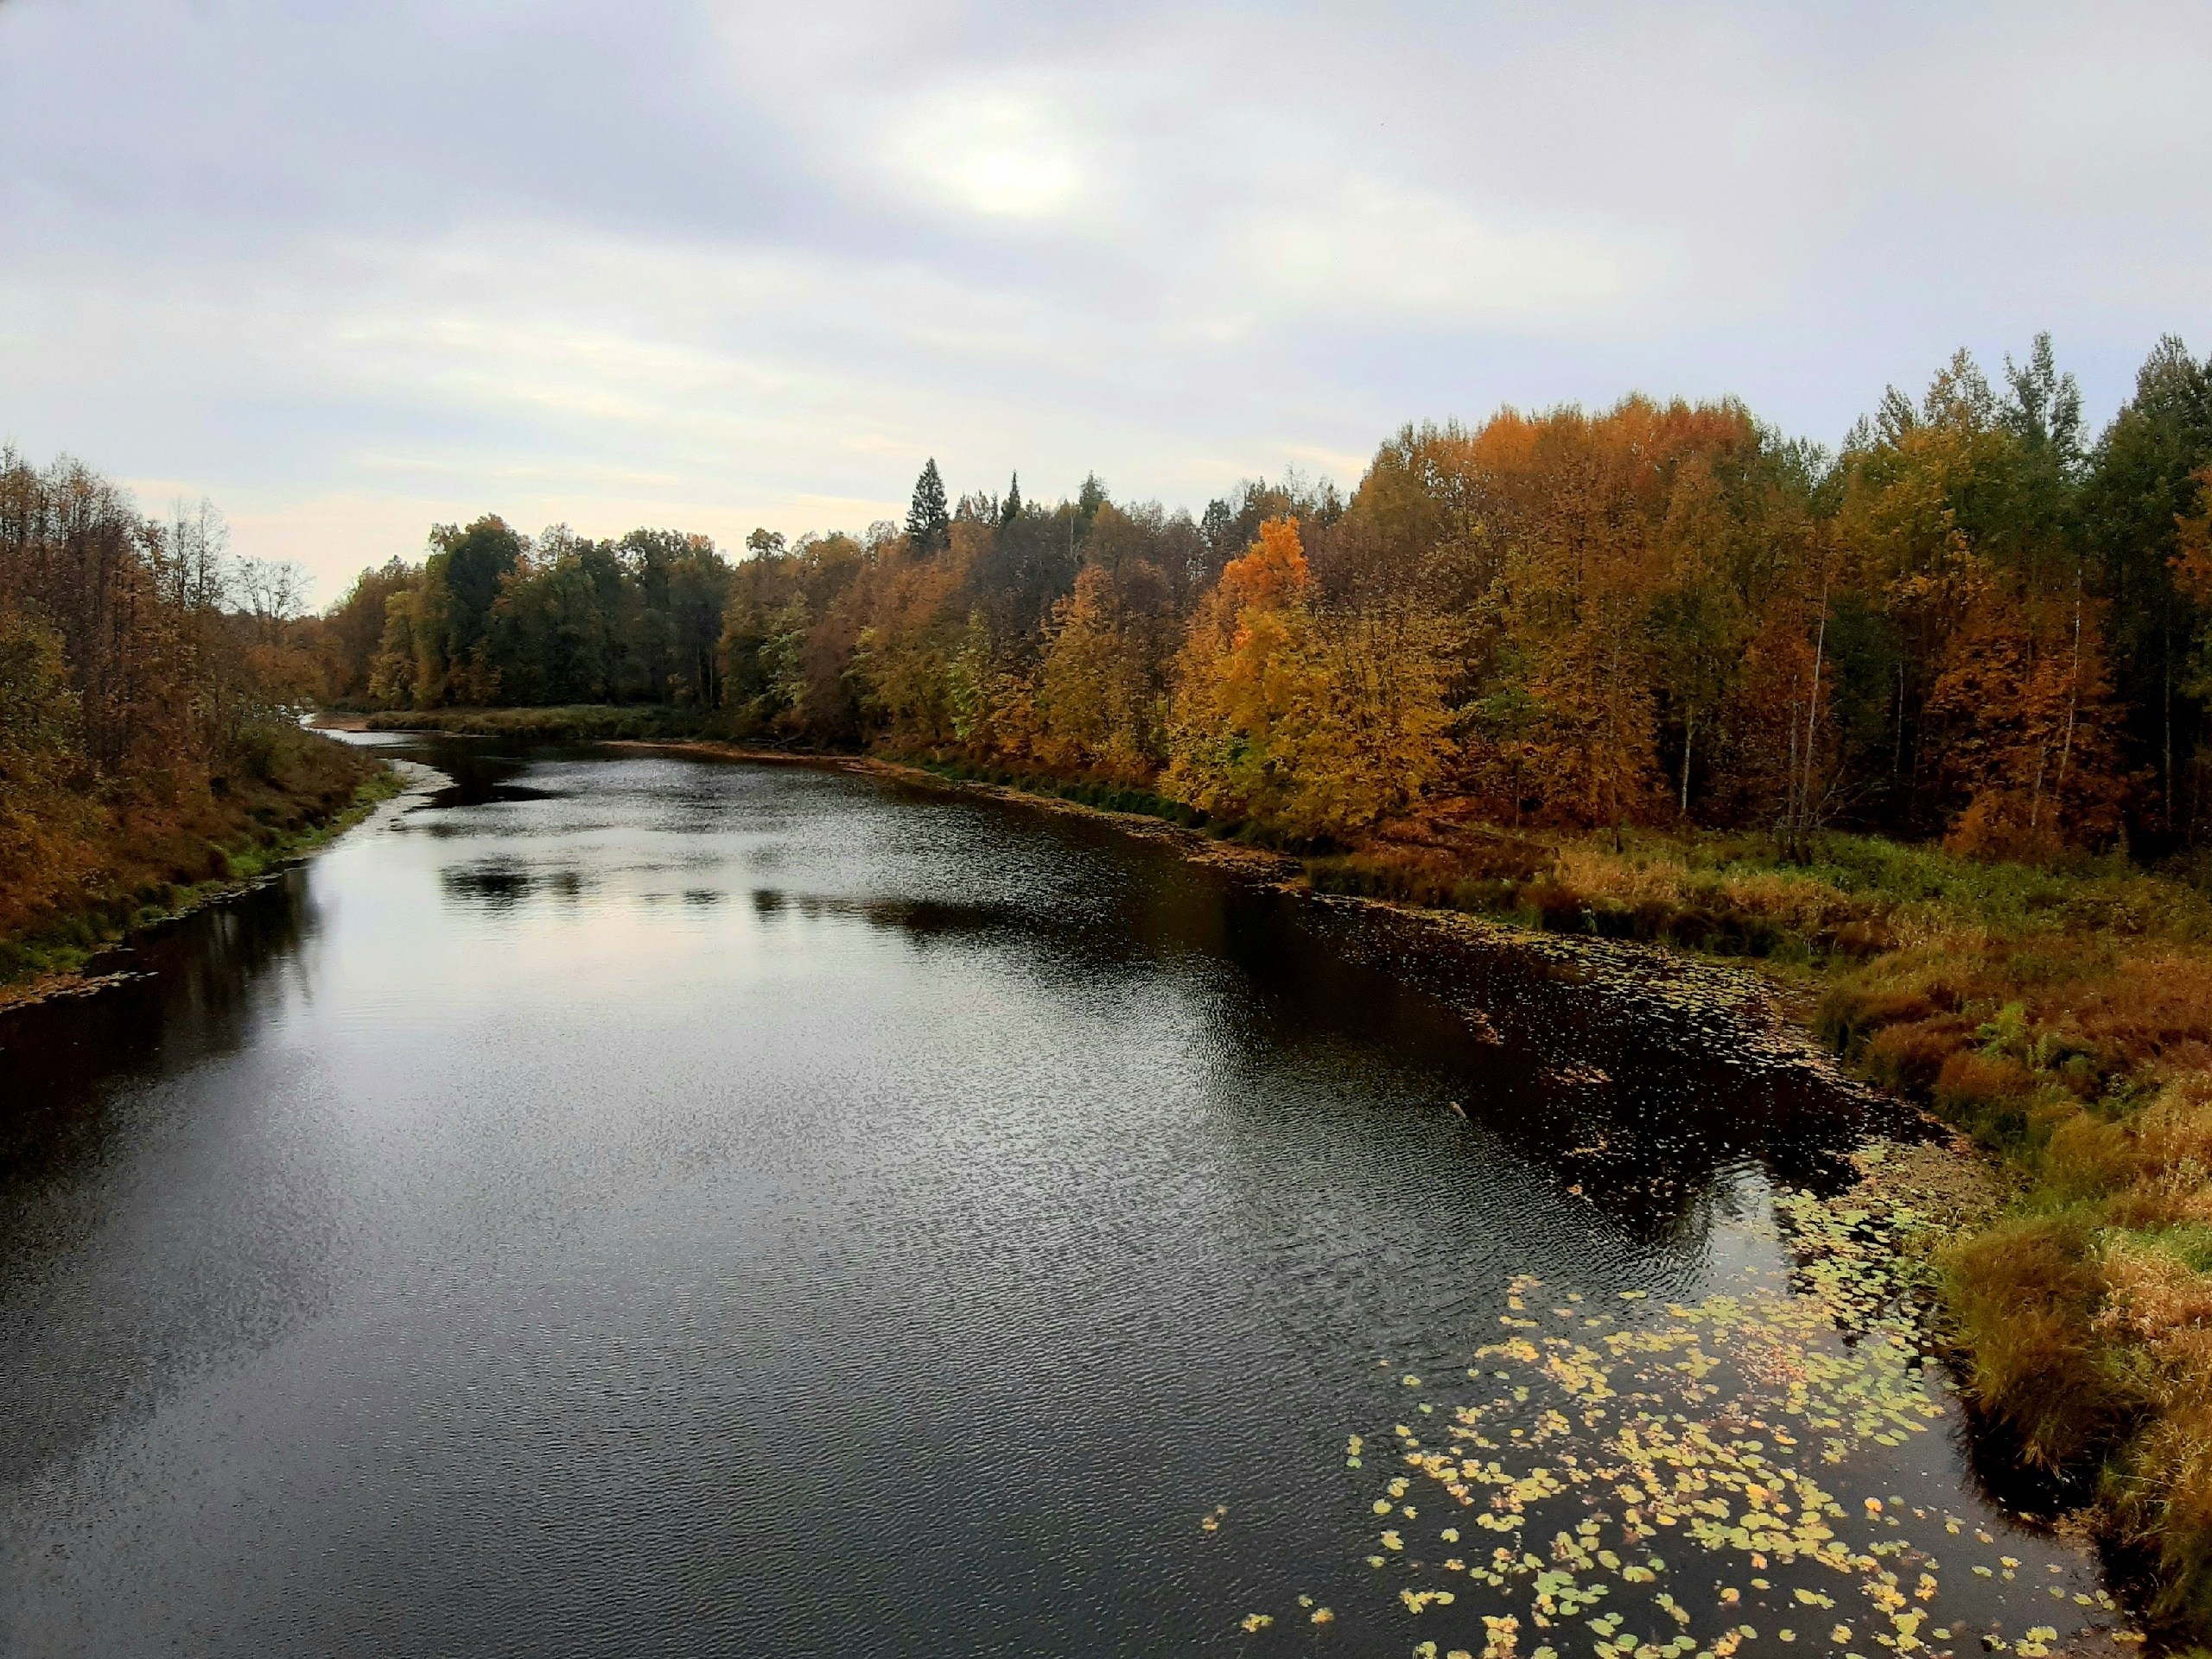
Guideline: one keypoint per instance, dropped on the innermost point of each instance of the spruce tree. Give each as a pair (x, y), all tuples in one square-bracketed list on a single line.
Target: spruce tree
[(1012, 510), (929, 525)]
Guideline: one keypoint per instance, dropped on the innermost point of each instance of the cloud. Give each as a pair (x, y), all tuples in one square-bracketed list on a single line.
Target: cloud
[(1368, 250), (714, 266)]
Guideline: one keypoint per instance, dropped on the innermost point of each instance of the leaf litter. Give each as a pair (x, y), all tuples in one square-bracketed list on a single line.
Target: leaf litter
[(1673, 1480)]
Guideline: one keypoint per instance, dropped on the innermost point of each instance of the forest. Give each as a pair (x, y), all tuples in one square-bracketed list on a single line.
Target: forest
[(1975, 622), (149, 692)]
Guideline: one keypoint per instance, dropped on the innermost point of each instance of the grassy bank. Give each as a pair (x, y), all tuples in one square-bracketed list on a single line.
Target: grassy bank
[(129, 864), (579, 724)]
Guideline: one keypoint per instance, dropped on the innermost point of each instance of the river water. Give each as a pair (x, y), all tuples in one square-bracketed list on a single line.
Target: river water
[(627, 1205)]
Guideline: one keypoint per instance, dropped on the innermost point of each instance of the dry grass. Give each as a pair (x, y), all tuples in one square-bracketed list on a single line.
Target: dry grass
[(2155, 1324)]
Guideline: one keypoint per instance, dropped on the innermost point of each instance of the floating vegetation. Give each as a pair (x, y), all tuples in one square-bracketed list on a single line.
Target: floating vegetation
[(1642, 1479)]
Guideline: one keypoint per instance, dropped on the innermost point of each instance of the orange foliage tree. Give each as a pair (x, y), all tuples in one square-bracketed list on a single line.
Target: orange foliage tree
[(1319, 723)]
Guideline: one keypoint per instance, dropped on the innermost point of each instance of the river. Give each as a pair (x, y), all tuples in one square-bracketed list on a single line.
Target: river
[(632, 1205)]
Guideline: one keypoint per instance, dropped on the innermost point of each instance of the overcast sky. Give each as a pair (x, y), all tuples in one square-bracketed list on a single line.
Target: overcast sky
[(351, 269)]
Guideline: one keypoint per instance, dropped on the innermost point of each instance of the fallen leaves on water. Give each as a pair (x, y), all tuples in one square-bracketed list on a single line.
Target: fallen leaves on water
[(1598, 1456)]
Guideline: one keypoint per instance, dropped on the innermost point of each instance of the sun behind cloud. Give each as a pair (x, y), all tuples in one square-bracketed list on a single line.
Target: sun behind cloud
[(1003, 154)]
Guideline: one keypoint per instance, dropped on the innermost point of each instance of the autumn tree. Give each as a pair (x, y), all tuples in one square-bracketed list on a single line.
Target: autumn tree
[(353, 633), (1238, 677), (1653, 610), (1958, 514), (1099, 701), (1582, 573), (777, 676), (1322, 725), (143, 694), (2027, 707)]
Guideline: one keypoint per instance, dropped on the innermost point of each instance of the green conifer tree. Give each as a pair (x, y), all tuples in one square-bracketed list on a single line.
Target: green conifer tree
[(929, 522)]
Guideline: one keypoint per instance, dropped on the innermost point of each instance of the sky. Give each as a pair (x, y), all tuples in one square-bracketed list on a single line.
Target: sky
[(349, 270)]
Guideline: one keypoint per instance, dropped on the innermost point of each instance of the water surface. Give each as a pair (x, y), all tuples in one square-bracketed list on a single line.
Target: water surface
[(639, 1205)]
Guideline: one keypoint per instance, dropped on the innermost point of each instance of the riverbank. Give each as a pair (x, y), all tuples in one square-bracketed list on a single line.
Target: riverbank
[(135, 867), (2060, 1018), (1186, 1145), (2063, 1018)]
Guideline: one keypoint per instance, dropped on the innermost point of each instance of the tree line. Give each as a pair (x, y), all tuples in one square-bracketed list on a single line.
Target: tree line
[(1973, 620)]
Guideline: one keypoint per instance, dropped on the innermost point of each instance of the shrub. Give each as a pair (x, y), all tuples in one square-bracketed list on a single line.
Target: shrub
[(1856, 941), (2157, 1316), (1558, 909), (2024, 1298), (1910, 1058), (1970, 1083)]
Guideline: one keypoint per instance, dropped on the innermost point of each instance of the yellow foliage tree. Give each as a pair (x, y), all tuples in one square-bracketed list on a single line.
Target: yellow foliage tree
[(1237, 679), (1096, 711), (1318, 725)]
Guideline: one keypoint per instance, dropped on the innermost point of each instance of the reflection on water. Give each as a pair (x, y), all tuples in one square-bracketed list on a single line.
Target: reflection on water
[(191, 991), (503, 883), (634, 1205)]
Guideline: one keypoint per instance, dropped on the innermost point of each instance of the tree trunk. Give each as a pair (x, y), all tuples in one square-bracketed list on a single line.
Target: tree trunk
[(1803, 850), (2073, 703)]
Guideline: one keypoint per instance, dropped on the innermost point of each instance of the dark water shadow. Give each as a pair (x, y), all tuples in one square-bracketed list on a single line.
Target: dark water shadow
[(192, 994), (1638, 1096), (477, 774), (919, 920), (484, 795)]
